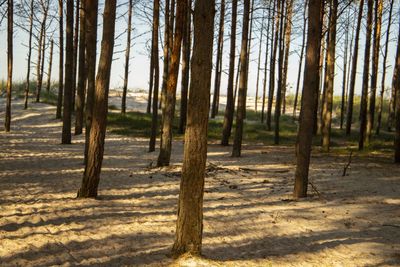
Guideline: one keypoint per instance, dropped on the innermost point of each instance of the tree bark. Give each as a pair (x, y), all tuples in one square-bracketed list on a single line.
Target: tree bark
[(91, 53), (396, 89), (344, 81), (10, 52), (385, 54), (218, 68), (259, 60), (170, 94), (241, 107), (364, 94), (28, 72), (230, 102), (310, 89), (61, 60), (69, 73), (189, 226), (154, 123), (91, 176), (81, 89), (127, 57), (41, 48), (349, 117), (50, 67), (375, 65), (75, 62), (266, 64)]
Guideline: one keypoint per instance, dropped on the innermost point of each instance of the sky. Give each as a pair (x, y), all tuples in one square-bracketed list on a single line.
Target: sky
[(139, 63)]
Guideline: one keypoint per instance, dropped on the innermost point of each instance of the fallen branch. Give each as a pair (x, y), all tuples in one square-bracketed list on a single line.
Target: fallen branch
[(347, 165), (315, 189), (391, 225)]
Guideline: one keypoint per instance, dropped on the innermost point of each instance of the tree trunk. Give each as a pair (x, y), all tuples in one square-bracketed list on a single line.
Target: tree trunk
[(241, 107), (50, 66), (170, 94), (328, 100), (189, 226), (344, 81), (91, 176), (127, 57), (280, 89), (382, 93), (75, 62), (186, 46), (10, 52), (218, 68), (310, 89), (154, 124), (277, 14), (288, 34), (81, 89), (349, 119), (151, 81), (266, 64), (396, 88), (91, 48), (69, 73), (28, 72), (375, 65), (259, 60), (61, 60), (364, 94), (41, 48), (230, 102), (303, 43)]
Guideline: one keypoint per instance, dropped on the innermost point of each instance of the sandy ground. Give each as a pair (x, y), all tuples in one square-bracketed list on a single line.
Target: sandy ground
[(249, 217)]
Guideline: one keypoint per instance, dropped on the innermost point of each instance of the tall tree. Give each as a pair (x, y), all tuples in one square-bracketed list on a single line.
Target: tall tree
[(28, 72), (69, 73), (127, 57), (310, 89), (189, 226), (364, 93), (166, 50), (345, 60), (259, 60), (170, 94), (230, 102), (186, 47), (396, 88), (269, 22), (75, 62), (91, 176), (330, 77), (91, 48), (81, 89), (349, 117), (10, 53), (241, 106), (384, 61), (154, 121), (41, 49), (218, 68), (48, 85), (61, 60), (378, 10)]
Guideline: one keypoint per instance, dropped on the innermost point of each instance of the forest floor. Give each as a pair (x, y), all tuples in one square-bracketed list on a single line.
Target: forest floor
[(250, 218)]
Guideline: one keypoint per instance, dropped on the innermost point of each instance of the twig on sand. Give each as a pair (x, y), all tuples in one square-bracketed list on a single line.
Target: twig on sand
[(347, 165), (315, 189), (391, 225)]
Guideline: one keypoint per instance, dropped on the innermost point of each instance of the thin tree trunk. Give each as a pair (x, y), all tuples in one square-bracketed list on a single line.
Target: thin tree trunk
[(241, 107), (81, 89), (186, 46), (396, 88), (270, 21), (91, 48), (328, 101), (375, 65), (259, 60), (170, 94), (10, 52), (349, 117), (280, 89), (277, 14), (189, 226), (127, 57), (75, 62), (69, 73), (50, 66), (310, 89), (61, 60), (91, 176), (218, 68), (151, 81), (344, 81), (154, 124), (382, 94), (28, 72), (364, 94), (230, 102), (301, 59), (41, 47)]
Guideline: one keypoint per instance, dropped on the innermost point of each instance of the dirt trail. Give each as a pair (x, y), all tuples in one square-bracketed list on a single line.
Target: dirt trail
[(249, 218)]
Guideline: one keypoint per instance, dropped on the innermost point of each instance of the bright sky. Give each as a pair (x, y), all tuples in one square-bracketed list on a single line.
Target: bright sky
[(139, 65)]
